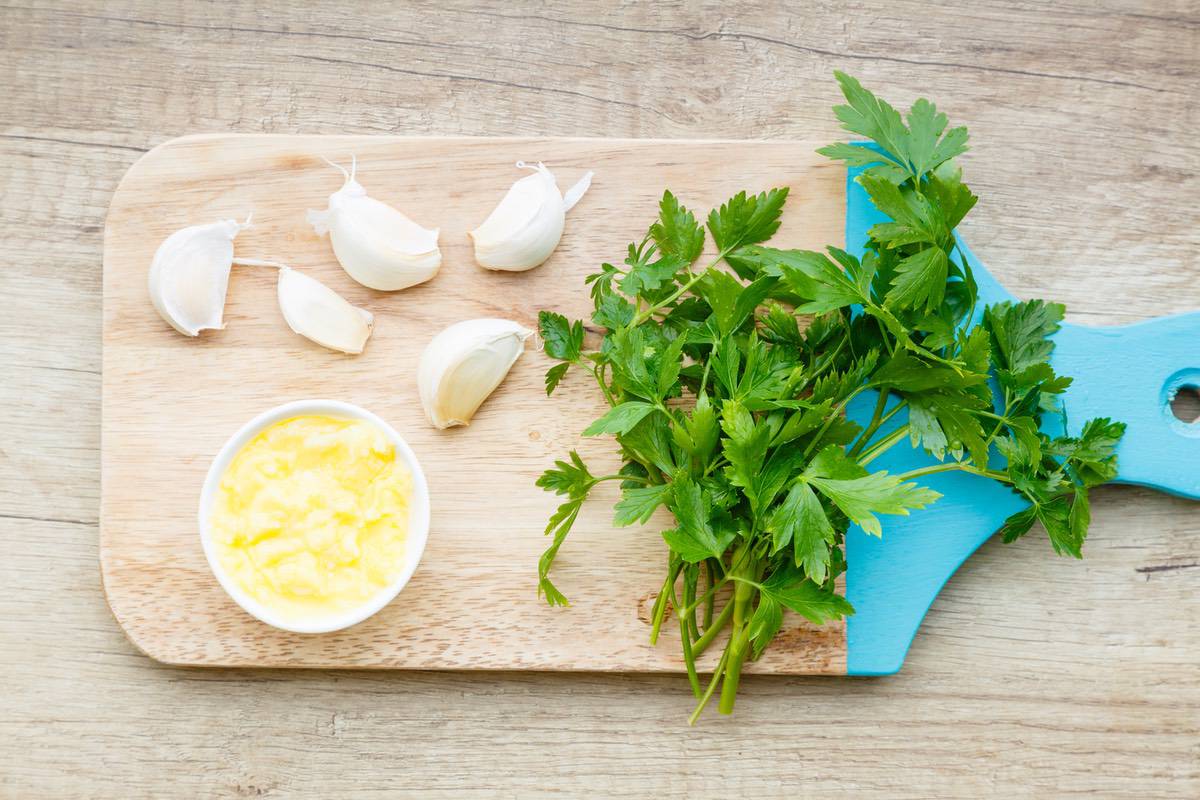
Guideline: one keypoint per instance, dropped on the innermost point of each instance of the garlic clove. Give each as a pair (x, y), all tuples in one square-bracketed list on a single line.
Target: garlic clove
[(523, 230), (464, 364), (316, 312), (189, 276), (376, 244)]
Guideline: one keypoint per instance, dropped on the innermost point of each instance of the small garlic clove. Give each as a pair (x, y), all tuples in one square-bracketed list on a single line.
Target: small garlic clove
[(377, 245), (190, 276), (523, 230), (464, 364), (316, 312)]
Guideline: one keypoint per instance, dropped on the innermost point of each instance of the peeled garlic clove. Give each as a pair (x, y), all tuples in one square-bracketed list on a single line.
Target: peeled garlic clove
[(464, 364), (315, 311), (377, 245), (523, 230), (190, 275)]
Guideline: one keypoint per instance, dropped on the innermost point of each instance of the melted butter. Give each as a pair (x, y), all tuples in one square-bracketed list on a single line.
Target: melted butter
[(311, 516)]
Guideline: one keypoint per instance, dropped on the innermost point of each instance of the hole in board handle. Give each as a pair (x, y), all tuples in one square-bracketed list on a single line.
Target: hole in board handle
[(1185, 405)]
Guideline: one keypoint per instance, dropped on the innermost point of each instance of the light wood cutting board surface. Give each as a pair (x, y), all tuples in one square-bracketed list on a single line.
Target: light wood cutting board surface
[(170, 402)]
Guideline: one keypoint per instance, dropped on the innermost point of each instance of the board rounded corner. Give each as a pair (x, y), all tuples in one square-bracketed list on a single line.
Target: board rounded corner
[(146, 645), (154, 154)]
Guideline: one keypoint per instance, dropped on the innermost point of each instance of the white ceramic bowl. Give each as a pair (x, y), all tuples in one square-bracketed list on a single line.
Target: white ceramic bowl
[(418, 522)]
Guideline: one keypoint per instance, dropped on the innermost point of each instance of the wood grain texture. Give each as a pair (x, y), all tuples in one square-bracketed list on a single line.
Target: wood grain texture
[(170, 402), (1032, 677)]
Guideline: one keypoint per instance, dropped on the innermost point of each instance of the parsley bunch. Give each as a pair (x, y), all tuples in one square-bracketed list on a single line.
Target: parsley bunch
[(727, 385)]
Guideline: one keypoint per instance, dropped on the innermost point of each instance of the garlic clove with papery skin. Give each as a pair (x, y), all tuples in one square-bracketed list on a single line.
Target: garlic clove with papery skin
[(377, 245), (316, 312), (189, 276), (464, 364), (523, 230)]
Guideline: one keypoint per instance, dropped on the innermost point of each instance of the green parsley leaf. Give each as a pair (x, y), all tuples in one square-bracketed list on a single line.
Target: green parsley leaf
[(746, 219), (781, 326), (802, 423), (818, 281), (1055, 517), (765, 623), (638, 504), (677, 233), (563, 339), (650, 442), (801, 520), (818, 605), (560, 525), (669, 365), (920, 280), (914, 219), (1020, 332), (926, 147), (649, 276), (861, 499), (554, 375), (1018, 524), (696, 538), (720, 290), (698, 432), (854, 154), (834, 462), (745, 447), (1093, 456), (949, 194), (570, 478), (629, 358), (613, 311), (955, 414), (906, 372), (620, 418), (868, 115)]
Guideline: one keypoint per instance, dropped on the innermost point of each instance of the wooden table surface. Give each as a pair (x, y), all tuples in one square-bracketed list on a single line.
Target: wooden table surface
[(1032, 677)]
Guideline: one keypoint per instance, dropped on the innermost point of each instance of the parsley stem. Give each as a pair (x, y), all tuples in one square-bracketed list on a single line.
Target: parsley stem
[(712, 687), (738, 559), (708, 604), (829, 359), (634, 478), (875, 426), (598, 374), (885, 444), (737, 649), (660, 604), (739, 642), (957, 465), (709, 594), (896, 409), (713, 629), (739, 638), (834, 414), (684, 288), (1003, 420), (691, 576), (686, 622), (876, 420)]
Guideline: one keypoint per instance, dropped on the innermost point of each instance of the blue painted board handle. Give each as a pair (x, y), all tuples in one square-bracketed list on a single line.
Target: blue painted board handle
[(1128, 373)]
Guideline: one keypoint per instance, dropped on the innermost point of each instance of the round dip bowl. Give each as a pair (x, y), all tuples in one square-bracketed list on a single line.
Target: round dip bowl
[(418, 522)]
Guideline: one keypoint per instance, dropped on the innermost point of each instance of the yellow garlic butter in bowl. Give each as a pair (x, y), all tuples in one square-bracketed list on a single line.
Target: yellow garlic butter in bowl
[(314, 515)]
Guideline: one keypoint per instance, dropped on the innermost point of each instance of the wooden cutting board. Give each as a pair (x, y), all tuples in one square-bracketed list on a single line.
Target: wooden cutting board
[(170, 402)]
